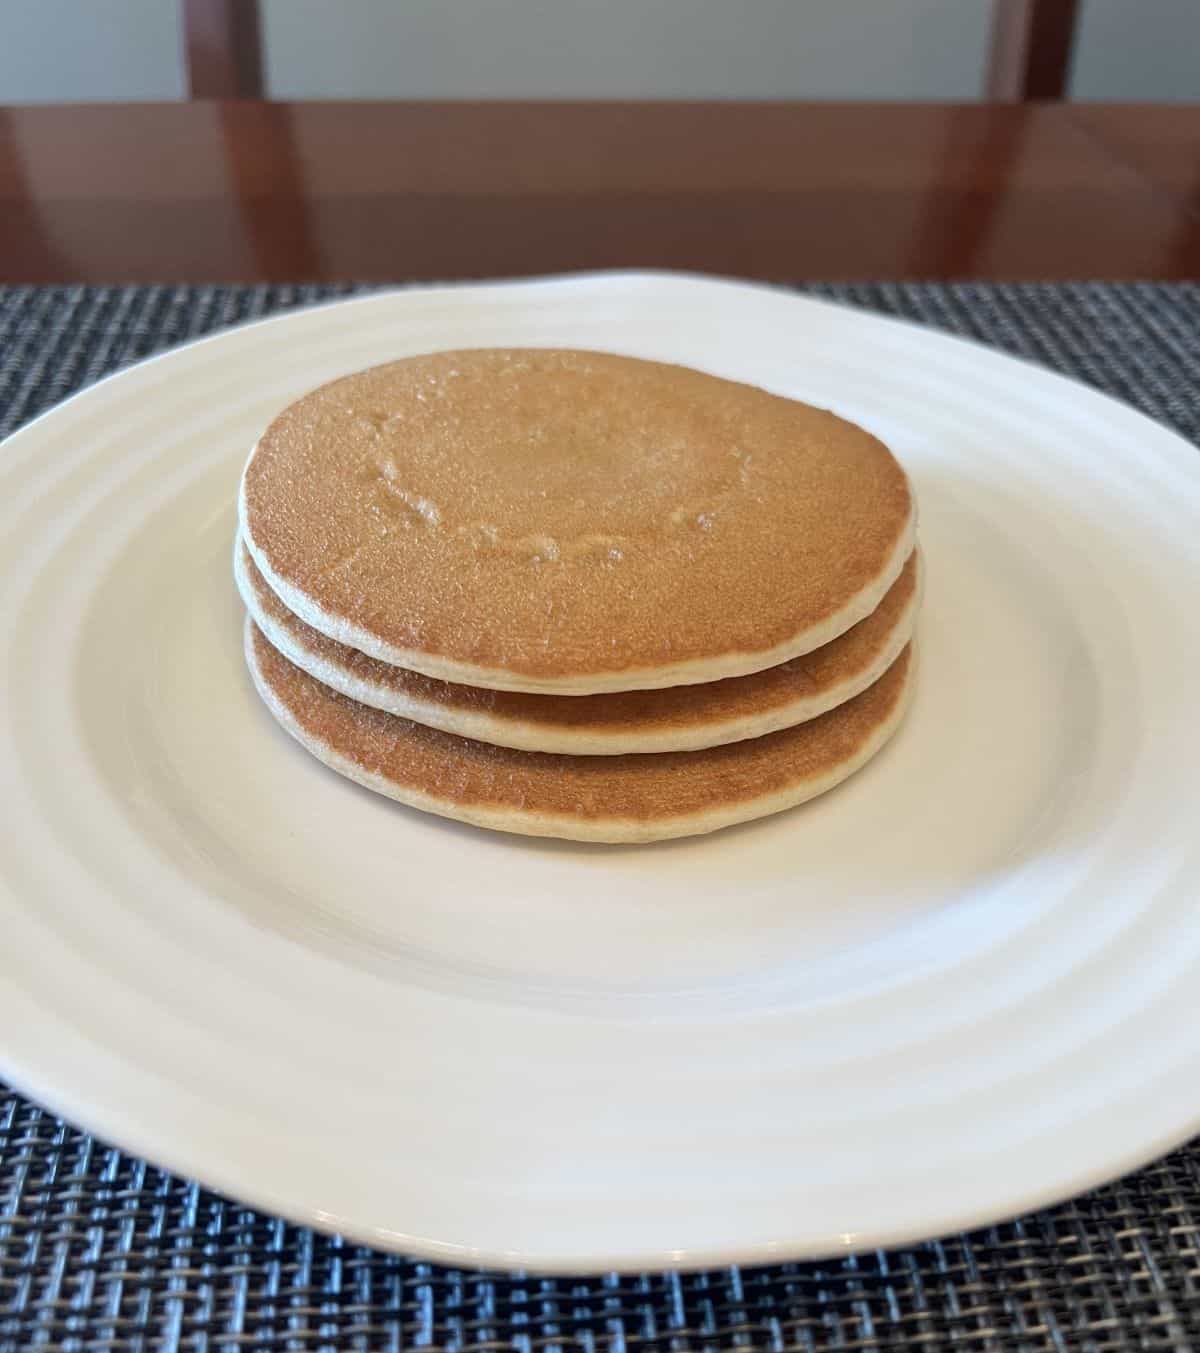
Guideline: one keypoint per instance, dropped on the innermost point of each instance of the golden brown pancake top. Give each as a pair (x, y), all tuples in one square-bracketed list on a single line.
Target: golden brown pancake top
[(556, 514), (632, 788), (711, 702)]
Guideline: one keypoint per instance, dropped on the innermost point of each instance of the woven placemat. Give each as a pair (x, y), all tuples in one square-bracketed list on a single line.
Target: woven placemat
[(99, 1250)]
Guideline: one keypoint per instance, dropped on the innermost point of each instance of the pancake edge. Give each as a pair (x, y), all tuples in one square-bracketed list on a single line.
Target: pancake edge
[(691, 671), (529, 736), (615, 831)]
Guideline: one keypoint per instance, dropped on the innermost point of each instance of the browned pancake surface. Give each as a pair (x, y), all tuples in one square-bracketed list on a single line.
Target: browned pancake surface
[(711, 703), (558, 514)]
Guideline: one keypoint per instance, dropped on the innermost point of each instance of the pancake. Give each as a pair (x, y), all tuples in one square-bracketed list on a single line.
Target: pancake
[(571, 522), (681, 718), (583, 798)]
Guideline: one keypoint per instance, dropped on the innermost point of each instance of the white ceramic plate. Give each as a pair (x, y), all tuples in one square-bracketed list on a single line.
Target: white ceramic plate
[(961, 985)]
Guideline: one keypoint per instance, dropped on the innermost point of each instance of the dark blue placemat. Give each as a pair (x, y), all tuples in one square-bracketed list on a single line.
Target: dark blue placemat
[(99, 1250)]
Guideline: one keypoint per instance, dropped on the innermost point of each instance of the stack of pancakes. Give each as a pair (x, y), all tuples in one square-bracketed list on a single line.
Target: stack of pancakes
[(575, 594)]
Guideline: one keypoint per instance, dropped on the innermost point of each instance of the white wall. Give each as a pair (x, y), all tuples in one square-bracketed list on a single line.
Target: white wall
[(1138, 49), (53, 50), (626, 48)]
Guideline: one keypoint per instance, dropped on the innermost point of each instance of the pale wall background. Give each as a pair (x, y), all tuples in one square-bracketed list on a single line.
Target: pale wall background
[(55, 50)]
